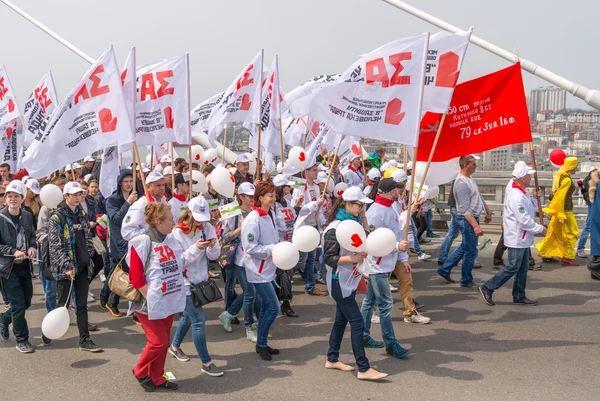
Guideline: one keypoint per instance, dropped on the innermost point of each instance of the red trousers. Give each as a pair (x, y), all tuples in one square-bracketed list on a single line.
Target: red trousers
[(152, 360)]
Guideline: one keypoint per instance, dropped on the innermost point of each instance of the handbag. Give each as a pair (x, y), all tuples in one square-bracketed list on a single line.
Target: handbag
[(205, 292), (228, 250), (119, 281), (98, 245)]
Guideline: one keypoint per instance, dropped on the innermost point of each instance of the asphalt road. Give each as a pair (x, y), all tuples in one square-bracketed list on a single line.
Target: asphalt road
[(470, 351)]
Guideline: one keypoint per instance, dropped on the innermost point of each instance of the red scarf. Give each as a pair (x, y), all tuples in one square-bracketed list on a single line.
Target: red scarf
[(186, 230), (181, 198), (351, 168), (260, 211), (515, 185), (383, 201)]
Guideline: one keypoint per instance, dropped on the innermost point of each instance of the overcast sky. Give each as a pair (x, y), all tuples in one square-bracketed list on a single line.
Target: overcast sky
[(312, 37)]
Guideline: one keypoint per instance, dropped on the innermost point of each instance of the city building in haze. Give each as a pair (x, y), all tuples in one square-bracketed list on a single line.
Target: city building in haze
[(497, 159), (546, 98)]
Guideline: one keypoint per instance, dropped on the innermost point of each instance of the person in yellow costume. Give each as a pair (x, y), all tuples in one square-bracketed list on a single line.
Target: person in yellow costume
[(562, 231)]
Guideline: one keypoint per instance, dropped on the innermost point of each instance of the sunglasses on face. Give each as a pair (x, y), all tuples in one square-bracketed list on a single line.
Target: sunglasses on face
[(358, 204)]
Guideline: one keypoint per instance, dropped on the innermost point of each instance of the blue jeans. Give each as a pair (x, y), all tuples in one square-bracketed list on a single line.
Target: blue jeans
[(194, 317), (586, 230), (466, 251), (19, 289), (453, 231), (413, 231), (518, 265), (50, 291), (269, 309), (379, 294), (248, 298), (429, 220), (347, 310), (306, 264), (321, 264)]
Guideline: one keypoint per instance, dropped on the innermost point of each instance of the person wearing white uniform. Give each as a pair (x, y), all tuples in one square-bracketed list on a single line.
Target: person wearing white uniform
[(519, 229), (194, 227), (134, 223), (374, 176), (354, 176), (181, 195), (381, 214)]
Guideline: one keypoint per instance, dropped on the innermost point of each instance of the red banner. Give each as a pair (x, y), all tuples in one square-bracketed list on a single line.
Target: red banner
[(484, 114)]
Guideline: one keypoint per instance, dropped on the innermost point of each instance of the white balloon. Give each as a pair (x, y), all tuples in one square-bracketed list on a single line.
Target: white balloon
[(232, 169), (339, 189), (330, 186), (419, 171), (210, 156), (280, 167), (297, 157), (56, 323), (197, 154), (285, 255), (223, 181), (432, 193), (351, 236), (306, 239), (252, 169), (51, 196), (202, 185), (381, 242), (149, 158)]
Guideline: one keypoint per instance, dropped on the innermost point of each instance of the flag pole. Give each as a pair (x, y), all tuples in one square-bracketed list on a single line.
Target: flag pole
[(537, 187), (152, 158), (224, 145), (329, 175), (258, 157), (172, 170), (409, 200), (281, 144), (136, 155), (190, 170), (121, 161), (362, 160), (431, 153), (309, 130), (405, 157), (135, 172)]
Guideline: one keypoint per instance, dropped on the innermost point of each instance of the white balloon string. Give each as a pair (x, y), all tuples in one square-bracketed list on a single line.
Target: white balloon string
[(70, 290)]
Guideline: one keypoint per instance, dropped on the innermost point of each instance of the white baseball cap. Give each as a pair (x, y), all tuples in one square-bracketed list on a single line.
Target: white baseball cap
[(165, 159), (355, 194), (399, 175), (153, 177), (15, 186), (24, 179), (409, 166), (281, 180), (167, 170), (199, 208), (521, 170), (33, 185), (72, 187), (393, 163), (385, 166), (246, 188), (475, 156), (374, 174), (143, 167), (89, 159), (322, 167), (243, 158), (321, 178)]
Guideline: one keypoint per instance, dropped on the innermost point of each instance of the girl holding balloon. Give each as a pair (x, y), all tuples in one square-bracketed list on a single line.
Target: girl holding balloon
[(343, 279)]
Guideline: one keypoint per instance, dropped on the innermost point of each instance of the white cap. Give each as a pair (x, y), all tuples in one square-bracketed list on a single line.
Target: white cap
[(409, 166), (393, 163), (68, 167), (24, 179), (521, 170), (165, 159), (87, 177), (15, 186), (374, 174), (246, 188), (144, 167), (385, 166), (89, 159), (243, 158), (322, 167), (167, 170), (158, 168), (321, 178), (153, 177), (199, 208), (355, 194), (399, 175), (33, 185), (72, 187), (280, 180), (475, 156)]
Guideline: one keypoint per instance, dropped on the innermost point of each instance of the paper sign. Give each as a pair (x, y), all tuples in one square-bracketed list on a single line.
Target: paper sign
[(230, 210)]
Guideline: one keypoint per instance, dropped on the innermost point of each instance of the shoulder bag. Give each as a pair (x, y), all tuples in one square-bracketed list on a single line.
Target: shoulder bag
[(119, 281)]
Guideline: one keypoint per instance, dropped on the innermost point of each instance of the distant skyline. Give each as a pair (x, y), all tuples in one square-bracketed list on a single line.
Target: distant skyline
[(311, 37)]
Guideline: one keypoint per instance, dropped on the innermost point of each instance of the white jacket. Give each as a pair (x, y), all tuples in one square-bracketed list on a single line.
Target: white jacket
[(519, 211), (311, 194), (197, 267), (380, 216), (134, 222), (178, 207), (259, 237), (354, 178), (286, 216)]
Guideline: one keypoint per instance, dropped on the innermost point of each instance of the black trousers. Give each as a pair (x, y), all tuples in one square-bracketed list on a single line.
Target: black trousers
[(500, 249), (81, 285), (19, 290), (420, 224)]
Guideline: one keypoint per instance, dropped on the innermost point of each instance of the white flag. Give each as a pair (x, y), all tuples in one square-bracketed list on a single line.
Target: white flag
[(109, 172), (8, 143), (200, 114), (9, 110), (271, 110), (163, 102), (128, 75), (92, 117), (309, 87), (378, 97), (241, 101)]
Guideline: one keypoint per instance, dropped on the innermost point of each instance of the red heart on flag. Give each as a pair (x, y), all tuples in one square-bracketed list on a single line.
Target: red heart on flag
[(246, 103), (107, 122), (302, 156), (163, 288), (356, 149), (393, 113), (231, 177), (11, 106), (356, 240), (9, 132), (169, 120)]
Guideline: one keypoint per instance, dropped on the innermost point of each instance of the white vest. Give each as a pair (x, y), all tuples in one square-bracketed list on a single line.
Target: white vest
[(286, 216), (349, 278), (259, 237), (518, 215)]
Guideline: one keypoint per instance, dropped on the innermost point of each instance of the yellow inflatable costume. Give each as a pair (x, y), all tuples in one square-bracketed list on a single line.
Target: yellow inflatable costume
[(562, 231)]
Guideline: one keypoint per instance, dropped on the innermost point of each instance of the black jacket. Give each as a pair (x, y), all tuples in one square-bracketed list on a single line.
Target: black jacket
[(8, 239), (116, 209), (239, 178)]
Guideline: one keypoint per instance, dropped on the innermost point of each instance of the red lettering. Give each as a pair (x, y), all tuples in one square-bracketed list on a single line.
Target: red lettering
[(83, 93), (95, 89), (161, 77), (448, 70), (3, 89), (395, 60), (287, 214), (245, 79), (170, 253), (123, 76), (147, 87), (41, 95), (166, 253), (377, 72)]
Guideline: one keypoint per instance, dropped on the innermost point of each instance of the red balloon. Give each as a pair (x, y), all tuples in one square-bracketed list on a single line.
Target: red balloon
[(557, 157)]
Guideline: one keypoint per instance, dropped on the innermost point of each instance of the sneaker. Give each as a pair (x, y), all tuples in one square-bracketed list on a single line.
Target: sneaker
[(88, 345), (417, 318), (264, 353), (397, 351), (25, 347), (535, 267), (370, 342), (212, 370), (226, 318), (433, 235), (423, 256), (102, 277), (178, 354), (136, 320), (235, 320), (167, 385), (103, 304), (4, 332), (316, 292), (418, 305), (471, 286), (251, 333), (412, 250), (90, 297), (321, 281), (92, 327), (487, 297), (45, 341), (498, 267), (375, 319), (581, 253), (447, 278), (424, 241), (114, 310), (477, 265), (525, 301)]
